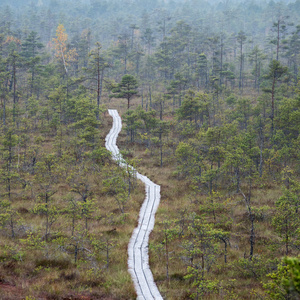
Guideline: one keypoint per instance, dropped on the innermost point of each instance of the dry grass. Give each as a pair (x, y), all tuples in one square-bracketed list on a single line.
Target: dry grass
[(54, 275), (50, 273)]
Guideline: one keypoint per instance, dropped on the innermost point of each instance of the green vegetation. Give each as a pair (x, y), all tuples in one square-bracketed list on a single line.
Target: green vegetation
[(209, 95)]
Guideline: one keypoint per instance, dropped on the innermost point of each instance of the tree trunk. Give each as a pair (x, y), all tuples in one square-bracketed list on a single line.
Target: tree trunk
[(252, 237), (14, 92), (98, 87), (273, 105), (241, 68), (286, 238), (4, 111), (167, 260), (225, 252), (107, 254), (278, 40), (12, 226), (125, 64)]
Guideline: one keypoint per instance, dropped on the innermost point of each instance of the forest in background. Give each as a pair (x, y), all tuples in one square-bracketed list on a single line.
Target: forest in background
[(209, 97)]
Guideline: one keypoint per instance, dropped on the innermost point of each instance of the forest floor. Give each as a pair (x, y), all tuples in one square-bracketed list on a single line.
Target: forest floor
[(177, 201), (62, 279), (54, 275)]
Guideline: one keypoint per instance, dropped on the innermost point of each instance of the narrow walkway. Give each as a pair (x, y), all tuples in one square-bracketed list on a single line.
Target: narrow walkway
[(138, 258)]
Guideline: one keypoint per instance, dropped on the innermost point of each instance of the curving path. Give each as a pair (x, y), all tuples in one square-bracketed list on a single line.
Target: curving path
[(138, 258)]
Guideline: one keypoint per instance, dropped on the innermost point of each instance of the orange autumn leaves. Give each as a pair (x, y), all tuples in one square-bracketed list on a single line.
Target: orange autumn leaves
[(60, 46), (12, 39)]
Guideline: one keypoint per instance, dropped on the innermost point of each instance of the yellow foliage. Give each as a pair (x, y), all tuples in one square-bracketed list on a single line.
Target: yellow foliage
[(60, 42), (12, 39), (71, 55), (60, 47)]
